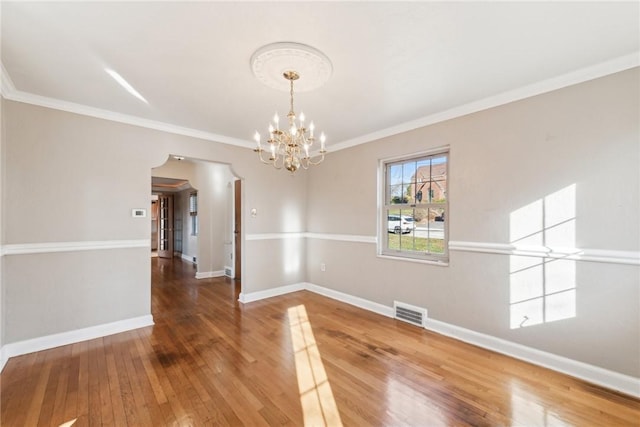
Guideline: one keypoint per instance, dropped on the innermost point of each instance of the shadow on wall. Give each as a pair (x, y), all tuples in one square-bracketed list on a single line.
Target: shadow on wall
[(543, 285)]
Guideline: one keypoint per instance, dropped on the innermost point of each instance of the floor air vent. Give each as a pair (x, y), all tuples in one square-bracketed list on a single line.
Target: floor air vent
[(227, 271), (409, 313)]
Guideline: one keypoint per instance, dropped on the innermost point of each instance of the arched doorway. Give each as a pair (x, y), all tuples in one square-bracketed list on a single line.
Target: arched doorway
[(207, 222)]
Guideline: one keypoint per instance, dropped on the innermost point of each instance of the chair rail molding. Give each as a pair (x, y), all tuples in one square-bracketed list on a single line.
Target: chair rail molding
[(50, 247)]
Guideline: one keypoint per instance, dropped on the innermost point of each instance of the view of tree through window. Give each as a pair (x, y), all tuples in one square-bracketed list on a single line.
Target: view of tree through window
[(416, 207)]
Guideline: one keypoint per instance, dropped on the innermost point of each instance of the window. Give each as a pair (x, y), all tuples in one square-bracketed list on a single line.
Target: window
[(193, 212), (415, 207)]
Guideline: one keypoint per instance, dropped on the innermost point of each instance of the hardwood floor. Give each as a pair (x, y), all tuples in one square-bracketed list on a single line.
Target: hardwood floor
[(297, 359)]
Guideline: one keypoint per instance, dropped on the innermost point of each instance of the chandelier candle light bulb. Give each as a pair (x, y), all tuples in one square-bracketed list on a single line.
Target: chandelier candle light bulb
[(290, 148)]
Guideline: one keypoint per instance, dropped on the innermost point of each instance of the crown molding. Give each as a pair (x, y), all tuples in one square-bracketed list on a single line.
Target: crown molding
[(84, 110), (6, 84), (11, 93), (579, 76), (602, 69)]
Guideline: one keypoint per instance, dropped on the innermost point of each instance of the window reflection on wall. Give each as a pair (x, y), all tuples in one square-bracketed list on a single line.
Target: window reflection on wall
[(542, 283)]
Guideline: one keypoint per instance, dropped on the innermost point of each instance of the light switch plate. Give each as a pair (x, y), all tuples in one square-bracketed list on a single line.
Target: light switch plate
[(139, 213)]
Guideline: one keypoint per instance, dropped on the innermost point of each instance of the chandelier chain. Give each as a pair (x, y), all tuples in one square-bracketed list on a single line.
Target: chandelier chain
[(291, 96)]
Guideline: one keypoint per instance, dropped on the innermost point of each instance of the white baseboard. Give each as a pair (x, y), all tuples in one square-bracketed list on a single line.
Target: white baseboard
[(350, 299), (593, 374), (3, 358), (187, 258), (209, 274), (71, 337), (273, 292)]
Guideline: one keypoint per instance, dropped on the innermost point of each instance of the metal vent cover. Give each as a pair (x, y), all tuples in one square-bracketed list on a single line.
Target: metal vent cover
[(227, 271), (409, 313)]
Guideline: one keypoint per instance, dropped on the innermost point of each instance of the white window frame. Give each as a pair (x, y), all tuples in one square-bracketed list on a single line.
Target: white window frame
[(383, 235)]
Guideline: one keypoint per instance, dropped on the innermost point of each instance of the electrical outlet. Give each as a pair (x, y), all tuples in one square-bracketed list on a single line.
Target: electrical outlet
[(323, 266)]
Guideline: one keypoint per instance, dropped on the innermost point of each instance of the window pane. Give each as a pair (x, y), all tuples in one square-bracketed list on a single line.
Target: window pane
[(406, 241), (411, 230), (436, 231), (395, 174), (193, 203), (396, 195), (420, 217), (438, 191), (408, 172), (437, 215), (439, 179), (423, 172), (194, 225), (418, 230)]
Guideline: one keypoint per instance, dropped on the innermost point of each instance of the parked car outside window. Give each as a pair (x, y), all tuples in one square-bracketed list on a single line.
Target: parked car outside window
[(400, 224)]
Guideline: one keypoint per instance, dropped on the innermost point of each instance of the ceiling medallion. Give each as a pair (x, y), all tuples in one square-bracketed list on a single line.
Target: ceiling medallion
[(270, 62), (290, 146)]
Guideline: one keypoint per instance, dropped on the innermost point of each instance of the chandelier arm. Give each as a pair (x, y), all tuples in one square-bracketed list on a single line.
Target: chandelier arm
[(270, 161), (316, 162), (278, 157), (260, 151)]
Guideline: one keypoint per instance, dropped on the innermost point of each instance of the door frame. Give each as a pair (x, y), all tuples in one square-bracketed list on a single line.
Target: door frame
[(237, 229)]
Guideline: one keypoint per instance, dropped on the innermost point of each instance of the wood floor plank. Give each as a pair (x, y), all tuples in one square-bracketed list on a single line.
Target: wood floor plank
[(210, 360), (119, 415), (137, 399), (35, 406)]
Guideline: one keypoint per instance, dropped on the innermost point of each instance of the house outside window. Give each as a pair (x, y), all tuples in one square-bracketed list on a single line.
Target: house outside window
[(193, 212), (414, 213)]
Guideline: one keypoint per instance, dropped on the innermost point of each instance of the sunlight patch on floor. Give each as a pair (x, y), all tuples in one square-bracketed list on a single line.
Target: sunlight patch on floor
[(318, 405), (527, 409)]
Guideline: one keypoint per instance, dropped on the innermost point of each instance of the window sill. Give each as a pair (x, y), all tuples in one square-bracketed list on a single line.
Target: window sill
[(418, 260)]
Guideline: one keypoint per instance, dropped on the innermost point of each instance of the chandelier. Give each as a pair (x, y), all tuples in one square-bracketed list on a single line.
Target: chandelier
[(292, 146)]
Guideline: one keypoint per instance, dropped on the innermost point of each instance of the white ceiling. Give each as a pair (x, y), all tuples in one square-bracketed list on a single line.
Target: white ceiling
[(396, 65)]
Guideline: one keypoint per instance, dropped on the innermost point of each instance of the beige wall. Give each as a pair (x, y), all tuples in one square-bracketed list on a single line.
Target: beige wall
[(578, 143), (213, 181), (73, 178)]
